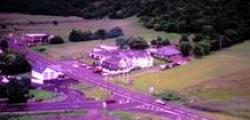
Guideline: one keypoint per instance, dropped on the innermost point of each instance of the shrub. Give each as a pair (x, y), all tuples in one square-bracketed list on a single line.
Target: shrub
[(184, 37), (55, 22), (56, 40), (198, 50), (122, 42), (75, 35), (198, 37), (137, 43), (115, 32), (185, 48)]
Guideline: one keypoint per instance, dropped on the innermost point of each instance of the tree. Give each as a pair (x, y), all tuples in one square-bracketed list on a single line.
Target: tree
[(184, 37), (56, 40), (206, 46), (198, 38), (115, 32), (18, 90), (198, 50), (137, 43), (12, 64), (153, 42), (3, 26), (165, 42), (55, 22), (3, 44), (185, 48), (75, 35), (208, 30), (122, 42), (3, 91), (232, 35), (101, 33)]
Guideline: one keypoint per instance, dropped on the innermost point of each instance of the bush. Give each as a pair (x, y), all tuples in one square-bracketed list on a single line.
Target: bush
[(56, 40), (169, 96), (75, 35), (184, 37), (115, 32), (198, 50), (122, 42), (185, 48), (55, 22), (137, 43), (207, 29), (206, 46), (198, 38), (3, 91), (101, 34), (3, 43), (13, 64), (3, 26), (40, 49)]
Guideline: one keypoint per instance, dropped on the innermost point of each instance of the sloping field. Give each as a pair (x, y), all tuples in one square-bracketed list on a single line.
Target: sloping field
[(221, 63), (219, 82), (40, 23)]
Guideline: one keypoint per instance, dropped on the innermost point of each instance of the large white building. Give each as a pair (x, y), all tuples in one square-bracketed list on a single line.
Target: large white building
[(116, 61)]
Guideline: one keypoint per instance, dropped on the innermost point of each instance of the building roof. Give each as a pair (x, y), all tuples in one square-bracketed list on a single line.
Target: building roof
[(136, 53), (122, 53), (36, 35), (167, 51), (39, 68)]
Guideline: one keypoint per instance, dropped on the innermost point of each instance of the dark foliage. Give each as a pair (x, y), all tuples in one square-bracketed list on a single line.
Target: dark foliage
[(137, 43), (3, 43), (228, 18), (185, 48), (160, 42), (56, 40), (77, 35), (122, 42), (18, 90), (3, 91), (12, 64)]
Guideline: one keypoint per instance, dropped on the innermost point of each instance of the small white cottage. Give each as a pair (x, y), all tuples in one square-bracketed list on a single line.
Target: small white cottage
[(41, 73)]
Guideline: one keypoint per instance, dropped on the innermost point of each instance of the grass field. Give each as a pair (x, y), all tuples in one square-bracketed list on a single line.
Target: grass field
[(92, 92), (130, 26), (72, 115), (135, 116), (218, 80), (41, 95)]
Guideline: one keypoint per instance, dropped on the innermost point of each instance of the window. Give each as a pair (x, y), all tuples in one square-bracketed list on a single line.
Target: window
[(45, 76)]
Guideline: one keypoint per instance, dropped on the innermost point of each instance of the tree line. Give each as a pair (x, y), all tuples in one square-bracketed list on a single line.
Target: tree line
[(78, 35)]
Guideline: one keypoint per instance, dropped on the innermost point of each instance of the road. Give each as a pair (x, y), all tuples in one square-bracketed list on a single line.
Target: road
[(143, 102)]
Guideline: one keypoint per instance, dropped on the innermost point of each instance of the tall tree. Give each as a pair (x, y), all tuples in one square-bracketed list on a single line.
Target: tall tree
[(18, 90)]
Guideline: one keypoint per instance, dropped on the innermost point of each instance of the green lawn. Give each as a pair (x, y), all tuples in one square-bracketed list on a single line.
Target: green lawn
[(130, 26), (46, 116), (92, 92), (41, 95), (218, 81), (199, 70), (136, 116)]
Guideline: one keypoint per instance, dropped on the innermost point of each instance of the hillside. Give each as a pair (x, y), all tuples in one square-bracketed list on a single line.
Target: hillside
[(163, 15)]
